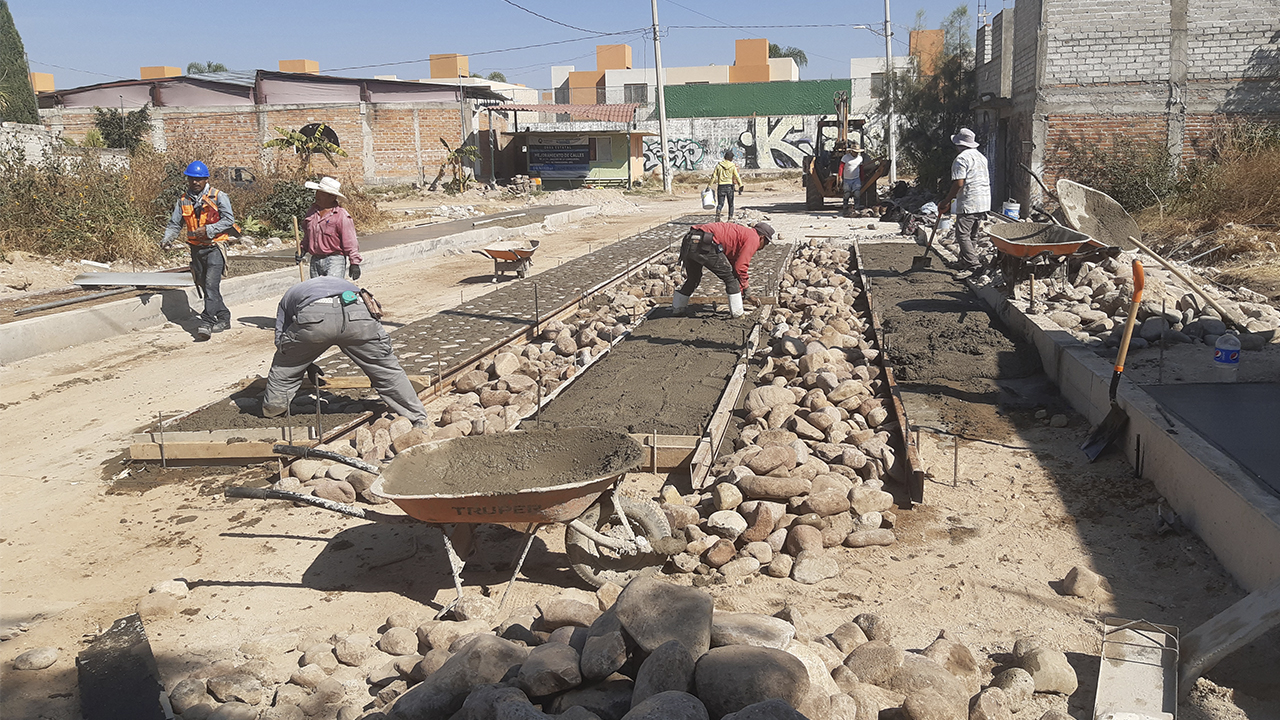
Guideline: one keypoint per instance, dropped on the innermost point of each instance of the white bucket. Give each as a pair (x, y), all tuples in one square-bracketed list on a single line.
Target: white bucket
[(708, 199), (1012, 210)]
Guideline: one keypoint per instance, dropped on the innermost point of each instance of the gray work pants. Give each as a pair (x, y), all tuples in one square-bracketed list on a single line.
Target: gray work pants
[(323, 324), (699, 252), (331, 265), (968, 228)]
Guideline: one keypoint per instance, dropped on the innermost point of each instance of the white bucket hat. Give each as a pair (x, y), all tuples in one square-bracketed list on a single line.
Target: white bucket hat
[(965, 138), (326, 185)]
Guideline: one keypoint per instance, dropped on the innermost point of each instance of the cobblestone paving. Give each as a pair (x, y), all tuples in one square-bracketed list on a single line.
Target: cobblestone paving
[(452, 336)]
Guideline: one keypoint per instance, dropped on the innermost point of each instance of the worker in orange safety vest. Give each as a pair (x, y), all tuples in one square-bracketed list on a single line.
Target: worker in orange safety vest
[(205, 216)]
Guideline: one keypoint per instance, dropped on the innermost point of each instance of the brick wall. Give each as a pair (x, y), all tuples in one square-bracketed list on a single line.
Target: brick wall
[(1026, 40), (384, 142), (1229, 39), (1091, 42), (1099, 131)]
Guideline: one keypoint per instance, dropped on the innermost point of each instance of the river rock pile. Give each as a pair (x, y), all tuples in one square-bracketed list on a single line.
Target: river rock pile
[(809, 460), (1095, 304), (493, 396), (652, 651)]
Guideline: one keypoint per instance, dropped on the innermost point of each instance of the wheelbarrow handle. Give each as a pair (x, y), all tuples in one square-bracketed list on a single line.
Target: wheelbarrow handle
[(269, 494), (305, 452), (342, 508)]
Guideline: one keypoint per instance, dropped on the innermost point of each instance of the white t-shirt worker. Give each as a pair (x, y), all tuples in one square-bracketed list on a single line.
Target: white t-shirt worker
[(971, 190)]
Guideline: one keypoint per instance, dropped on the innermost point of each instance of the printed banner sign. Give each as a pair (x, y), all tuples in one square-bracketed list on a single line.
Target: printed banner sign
[(559, 157)]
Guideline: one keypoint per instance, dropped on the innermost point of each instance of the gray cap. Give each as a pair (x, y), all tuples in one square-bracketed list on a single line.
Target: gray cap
[(766, 230)]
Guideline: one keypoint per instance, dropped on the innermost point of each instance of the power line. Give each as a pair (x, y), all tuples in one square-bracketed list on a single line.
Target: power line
[(87, 72), (489, 52), (550, 20), (695, 12)]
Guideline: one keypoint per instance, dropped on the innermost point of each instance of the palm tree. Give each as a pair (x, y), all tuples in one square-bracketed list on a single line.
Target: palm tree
[(795, 53), (197, 68)]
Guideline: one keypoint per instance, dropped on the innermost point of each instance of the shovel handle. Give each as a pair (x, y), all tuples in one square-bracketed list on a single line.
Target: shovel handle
[(1139, 280), (305, 452), (269, 494)]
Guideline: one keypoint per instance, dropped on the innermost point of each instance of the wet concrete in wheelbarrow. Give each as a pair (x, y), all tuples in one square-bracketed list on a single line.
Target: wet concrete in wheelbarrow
[(506, 463), (667, 376)]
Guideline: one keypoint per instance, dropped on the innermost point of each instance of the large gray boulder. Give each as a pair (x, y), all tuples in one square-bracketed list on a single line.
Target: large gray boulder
[(670, 705), (730, 678), (1050, 671), (550, 668), (669, 667), (874, 661), (767, 710), (750, 629), (497, 701), (609, 699), (653, 611), (485, 660)]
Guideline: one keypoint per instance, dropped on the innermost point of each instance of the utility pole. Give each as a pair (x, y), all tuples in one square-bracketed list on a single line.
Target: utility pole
[(662, 102), (891, 122)]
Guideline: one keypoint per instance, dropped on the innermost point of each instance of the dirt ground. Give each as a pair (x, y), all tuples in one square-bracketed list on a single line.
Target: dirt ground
[(981, 559)]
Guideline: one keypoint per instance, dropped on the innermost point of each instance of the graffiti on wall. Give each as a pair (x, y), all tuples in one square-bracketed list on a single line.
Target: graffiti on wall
[(775, 143), (760, 143), (683, 154)]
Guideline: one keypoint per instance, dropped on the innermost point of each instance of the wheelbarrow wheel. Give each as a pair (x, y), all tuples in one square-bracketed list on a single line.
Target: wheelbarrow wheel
[(599, 565)]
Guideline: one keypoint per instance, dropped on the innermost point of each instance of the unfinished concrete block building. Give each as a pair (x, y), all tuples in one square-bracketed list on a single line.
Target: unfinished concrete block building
[(1165, 74)]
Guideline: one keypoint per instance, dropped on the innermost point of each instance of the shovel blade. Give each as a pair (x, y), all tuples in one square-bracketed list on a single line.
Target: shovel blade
[(1106, 432), (922, 262)]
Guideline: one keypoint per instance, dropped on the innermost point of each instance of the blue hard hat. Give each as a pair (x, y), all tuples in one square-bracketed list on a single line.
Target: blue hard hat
[(197, 169)]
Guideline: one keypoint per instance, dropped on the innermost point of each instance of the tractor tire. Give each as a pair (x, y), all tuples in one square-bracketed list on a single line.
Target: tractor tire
[(599, 565), (812, 195)]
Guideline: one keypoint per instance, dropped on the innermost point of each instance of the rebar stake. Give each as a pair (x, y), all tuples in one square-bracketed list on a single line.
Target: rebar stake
[(160, 424), (955, 462)]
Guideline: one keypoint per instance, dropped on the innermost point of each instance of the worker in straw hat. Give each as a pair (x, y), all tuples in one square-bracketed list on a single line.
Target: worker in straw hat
[(851, 175), (971, 190), (329, 234), (726, 250)]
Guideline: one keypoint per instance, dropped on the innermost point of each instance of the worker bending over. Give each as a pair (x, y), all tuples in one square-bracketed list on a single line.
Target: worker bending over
[(313, 316), (204, 217), (725, 249)]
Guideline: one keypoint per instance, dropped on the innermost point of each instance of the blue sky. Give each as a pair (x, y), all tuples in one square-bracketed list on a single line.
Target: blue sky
[(84, 42)]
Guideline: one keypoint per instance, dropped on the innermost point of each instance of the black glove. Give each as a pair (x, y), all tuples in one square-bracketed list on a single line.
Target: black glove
[(297, 258), (354, 272)]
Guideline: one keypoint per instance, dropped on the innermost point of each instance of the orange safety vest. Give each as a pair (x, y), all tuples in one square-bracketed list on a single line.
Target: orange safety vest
[(196, 221)]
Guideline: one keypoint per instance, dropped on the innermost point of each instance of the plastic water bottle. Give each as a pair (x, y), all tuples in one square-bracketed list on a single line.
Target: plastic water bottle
[(1226, 358)]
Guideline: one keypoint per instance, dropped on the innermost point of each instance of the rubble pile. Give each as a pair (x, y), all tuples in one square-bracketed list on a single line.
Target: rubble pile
[(654, 650), (1093, 307), (809, 460)]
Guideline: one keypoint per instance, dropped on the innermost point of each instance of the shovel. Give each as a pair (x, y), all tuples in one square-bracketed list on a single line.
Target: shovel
[(1116, 420), (924, 261)]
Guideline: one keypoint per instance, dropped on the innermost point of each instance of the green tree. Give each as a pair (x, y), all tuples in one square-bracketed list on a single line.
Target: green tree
[(122, 130), (795, 53), (17, 98), (196, 68), (453, 161), (496, 76), (931, 109), (307, 146)]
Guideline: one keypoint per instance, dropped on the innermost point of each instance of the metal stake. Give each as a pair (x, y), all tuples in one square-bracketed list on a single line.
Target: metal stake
[(537, 314), (160, 423), (955, 462), (1160, 374), (455, 568)]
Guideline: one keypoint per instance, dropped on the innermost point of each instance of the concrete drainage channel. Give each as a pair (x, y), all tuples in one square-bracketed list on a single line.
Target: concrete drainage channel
[(34, 336)]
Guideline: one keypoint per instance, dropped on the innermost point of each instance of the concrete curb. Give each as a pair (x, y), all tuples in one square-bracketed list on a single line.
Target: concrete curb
[(1215, 497), (39, 335)]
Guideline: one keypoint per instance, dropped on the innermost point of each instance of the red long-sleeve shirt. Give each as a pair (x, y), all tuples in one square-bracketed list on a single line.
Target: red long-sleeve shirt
[(330, 232), (739, 242)]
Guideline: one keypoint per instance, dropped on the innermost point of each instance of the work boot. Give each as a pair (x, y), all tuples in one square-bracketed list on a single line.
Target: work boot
[(717, 217), (680, 304), (220, 326), (203, 332), (735, 305)]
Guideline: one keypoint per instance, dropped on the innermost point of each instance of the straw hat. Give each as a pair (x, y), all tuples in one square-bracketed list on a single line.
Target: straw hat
[(326, 185), (965, 138)]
